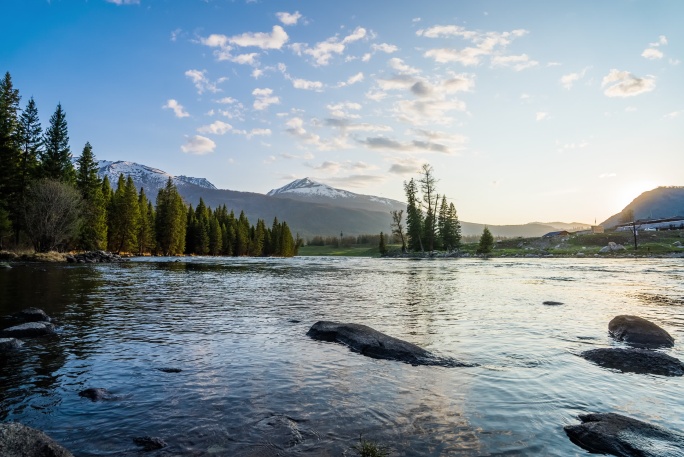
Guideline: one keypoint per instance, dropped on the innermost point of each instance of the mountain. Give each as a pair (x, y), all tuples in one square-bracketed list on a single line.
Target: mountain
[(310, 208), (659, 203), (311, 191)]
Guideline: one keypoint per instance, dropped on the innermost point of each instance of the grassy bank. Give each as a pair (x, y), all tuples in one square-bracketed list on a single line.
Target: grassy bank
[(358, 250)]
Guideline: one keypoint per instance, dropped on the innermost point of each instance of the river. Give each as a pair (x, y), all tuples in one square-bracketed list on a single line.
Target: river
[(253, 384)]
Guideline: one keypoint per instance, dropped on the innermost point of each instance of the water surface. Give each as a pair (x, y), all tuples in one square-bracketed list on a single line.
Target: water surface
[(252, 383)]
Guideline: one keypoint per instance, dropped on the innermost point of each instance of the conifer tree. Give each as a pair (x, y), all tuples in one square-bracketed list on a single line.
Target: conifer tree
[(56, 158), (30, 146), (452, 240), (276, 249), (414, 217), (430, 199), (9, 147), (215, 236), (170, 220), (201, 235), (287, 246), (146, 227), (93, 230), (256, 246), (382, 247), (125, 216), (486, 243)]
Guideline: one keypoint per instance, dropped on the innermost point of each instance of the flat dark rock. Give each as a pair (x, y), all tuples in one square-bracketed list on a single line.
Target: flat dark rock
[(610, 433), (371, 343), (9, 344), (32, 315), (640, 361), (29, 329), (639, 332), (149, 443), (170, 370), (18, 440), (552, 303), (96, 394)]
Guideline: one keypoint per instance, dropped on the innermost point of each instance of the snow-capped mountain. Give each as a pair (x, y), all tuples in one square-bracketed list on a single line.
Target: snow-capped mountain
[(306, 189), (149, 178)]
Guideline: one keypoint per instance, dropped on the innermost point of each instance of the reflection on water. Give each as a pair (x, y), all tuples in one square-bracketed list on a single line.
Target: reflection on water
[(252, 383)]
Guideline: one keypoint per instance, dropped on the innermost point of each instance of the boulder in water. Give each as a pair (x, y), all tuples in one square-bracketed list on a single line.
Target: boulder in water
[(149, 443), (8, 344), (640, 361), (371, 343), (610, 433), (96, 394), (29, 329), (552, 303), (32, 315), (18, 440), (639, 332)]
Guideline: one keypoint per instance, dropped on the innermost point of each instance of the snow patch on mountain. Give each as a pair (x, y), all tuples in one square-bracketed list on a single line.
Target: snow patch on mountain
[(146, 176)]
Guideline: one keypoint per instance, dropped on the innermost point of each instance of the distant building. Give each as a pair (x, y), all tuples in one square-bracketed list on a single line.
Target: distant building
[(596, 229), (559, 234), (672, 223)]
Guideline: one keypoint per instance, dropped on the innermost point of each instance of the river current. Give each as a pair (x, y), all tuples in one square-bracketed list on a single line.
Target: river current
[(253, 384)]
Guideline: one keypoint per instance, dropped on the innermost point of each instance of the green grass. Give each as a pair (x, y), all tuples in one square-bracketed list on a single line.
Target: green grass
[(363, 250), (367, 448)]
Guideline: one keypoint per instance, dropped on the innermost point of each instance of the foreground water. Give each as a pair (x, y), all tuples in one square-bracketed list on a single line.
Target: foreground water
[(253, 383)]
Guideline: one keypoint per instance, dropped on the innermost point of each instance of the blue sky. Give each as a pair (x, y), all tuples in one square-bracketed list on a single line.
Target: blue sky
[(527, 110)]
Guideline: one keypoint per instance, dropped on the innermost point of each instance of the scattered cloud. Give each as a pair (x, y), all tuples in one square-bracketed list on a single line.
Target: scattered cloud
[(518, 63), (384, 47), (407, 166), (652, 54), (263, 98), (357, 78), (674, 114), (215, 128), (289, 18), (358, 34), (124, 2), (307, 85), (323, 51), (398, 65), (381, 142), (177, 108), (202, 83), (541, 116), (198, 145), (571, 78), (274, 40), (625, 84)]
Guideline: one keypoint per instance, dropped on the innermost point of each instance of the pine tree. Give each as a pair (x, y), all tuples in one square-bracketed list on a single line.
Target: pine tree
[(125, 216), (398, 227), (256, 245), (146, 226), (201, 229), (486, 243), (30, 145), (275, 245), (382, 247), (170, 220), (452, 240), (443, 224), (287, 244), (56, 158), (215, 236), (414, 217), (430, 199), (93, 230), (9, 148)]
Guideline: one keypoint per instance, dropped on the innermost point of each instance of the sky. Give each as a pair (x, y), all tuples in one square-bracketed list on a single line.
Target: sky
[(526, 110)]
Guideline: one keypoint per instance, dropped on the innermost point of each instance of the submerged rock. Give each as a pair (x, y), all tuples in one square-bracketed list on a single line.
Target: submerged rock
[(552, 303), (610, 433), (18, 440), (639, 332), (8, 344), (96, 394), (29, 329), (371, 343), (149, 443), (33, 315), (170, 370), (640, 361)]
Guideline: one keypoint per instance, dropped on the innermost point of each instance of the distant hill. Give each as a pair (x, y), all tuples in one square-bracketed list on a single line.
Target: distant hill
[(659, 203), (310, 208)]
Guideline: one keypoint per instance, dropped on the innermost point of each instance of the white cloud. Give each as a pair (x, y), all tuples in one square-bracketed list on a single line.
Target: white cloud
[(259, 132), (384, 47), (467, 56), (124, 2), (289, 18), (358, 34), (216, 128), (571, 78), (264, 98), (662, 41), (381, 142), (323, 51), (198, 145), (625, 84), (177, 108), (202, 83), (541, 116), (366, 57), (397, 64), (407, 166), (274, 40), (307, 85), (375, 95), (652, 54), (227, 101), (357, 78), (257, 73), (518, 63), (246, 59), (674, 114)]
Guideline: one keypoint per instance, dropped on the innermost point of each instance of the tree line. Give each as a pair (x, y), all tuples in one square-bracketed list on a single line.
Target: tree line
[(48, 202)]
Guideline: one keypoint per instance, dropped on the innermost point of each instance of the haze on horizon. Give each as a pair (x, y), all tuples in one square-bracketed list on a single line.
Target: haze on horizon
[(528, 111)]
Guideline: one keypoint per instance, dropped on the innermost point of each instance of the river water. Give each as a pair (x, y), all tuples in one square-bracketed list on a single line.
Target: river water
[(253, 384)]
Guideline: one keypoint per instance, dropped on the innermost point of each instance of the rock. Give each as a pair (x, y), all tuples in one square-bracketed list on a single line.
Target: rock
[(18, 440), (149, 443), (552, 303), (170, 370), (640, 361), (612, 247), (610, 433), (96, 394), (639, 332), (580, 254), (371, 343), (29, 329), (94, 257), (33, 315), (9, 344)]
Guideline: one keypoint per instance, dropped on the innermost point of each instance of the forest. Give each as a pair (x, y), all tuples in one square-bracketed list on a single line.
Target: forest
[(49, 203)]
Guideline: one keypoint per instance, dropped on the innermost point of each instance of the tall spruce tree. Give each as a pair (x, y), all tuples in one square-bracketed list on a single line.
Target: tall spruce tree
[(486, 243), (170, 220), (56, 158), (93, 230), (124, 216), (9, 147), (430, 198), (30, 146), (414, 217), (145, 236), (215, 236)]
